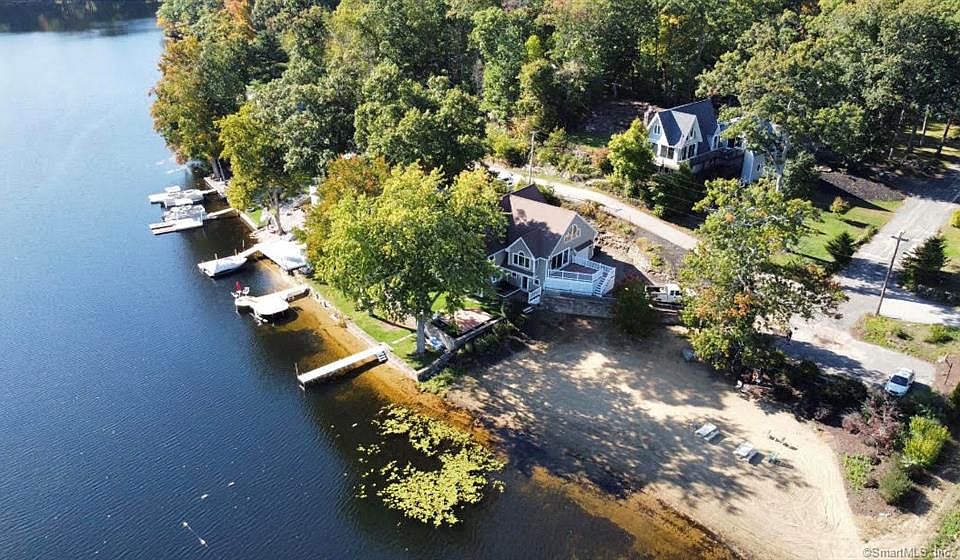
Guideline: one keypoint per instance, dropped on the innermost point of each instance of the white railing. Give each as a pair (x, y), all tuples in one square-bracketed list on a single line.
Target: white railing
[(575, 276), (581, 282)]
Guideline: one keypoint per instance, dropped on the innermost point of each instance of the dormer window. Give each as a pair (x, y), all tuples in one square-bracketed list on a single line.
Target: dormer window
[(656, 127)]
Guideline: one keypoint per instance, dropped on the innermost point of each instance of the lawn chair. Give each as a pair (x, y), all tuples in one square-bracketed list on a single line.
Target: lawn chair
[(708, 431), (745, 451)]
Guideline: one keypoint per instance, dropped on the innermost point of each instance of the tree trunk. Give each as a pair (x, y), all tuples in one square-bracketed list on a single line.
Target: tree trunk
[(923, 133), (913, 137), (946, 131), (276, 212), (896, 134), (421, 334)]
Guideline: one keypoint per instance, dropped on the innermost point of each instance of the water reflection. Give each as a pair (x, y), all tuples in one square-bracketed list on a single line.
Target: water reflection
[(106, 17)]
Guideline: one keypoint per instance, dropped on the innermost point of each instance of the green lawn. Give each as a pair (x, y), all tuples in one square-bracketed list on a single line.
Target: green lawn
[(951, 148), (857, 222), (256, 216), (588, 140), (910, 338), (400, 338), (952, 237)]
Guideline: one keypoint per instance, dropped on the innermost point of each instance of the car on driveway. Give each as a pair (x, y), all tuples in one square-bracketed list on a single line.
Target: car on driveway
[(899, 383)]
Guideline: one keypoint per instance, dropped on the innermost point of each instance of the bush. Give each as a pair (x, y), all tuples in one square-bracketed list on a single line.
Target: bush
[(939, 334), (867, 234), (894, 482), (923, 445), (841, 248), (879, 424), (955, 219), (839, 205), (512, 151), (632, 312), (440, 383), (923, 401), (549, 194), (856, 469)]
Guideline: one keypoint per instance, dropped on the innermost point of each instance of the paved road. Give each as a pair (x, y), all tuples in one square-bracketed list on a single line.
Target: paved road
[(620, 209), (828, 342)]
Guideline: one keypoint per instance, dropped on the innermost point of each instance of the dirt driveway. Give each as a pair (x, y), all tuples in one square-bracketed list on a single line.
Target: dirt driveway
[(586, 403)]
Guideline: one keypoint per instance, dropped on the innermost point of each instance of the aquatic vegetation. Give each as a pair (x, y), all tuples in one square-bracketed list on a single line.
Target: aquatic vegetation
[(451, 468)]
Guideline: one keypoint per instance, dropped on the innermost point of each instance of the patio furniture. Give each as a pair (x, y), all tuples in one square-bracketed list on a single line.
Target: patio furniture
[(708, 431), (745, 451)]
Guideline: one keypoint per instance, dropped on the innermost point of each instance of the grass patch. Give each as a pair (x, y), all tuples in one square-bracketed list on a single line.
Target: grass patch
[(589, 140), (256, 216), (856, 469), (440, 383), (859, 221), (927, 342)]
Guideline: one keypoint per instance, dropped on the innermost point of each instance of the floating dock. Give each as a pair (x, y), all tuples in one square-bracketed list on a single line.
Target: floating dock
[(270, 305), (379, 351)]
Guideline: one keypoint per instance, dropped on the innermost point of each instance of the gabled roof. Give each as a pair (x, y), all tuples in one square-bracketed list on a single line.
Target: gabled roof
[(540, 225), (676, 122)]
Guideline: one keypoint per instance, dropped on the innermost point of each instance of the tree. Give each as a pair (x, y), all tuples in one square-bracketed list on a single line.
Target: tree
[(497, 35), (632, 312), (800, 175), (738, 291), (922, 265), (257, 158), (346, 176), (536, 106), (399, 252), (438, 125), (841, 248), (632, 159), (674, 193)]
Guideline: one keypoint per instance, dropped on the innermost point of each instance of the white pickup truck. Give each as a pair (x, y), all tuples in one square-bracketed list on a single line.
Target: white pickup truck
[(668, 293)]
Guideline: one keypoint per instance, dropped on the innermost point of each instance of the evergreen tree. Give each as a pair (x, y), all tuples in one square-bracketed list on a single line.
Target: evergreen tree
[(922, 265)]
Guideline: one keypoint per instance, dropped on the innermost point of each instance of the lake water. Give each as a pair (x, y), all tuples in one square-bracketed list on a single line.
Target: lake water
[(129, 388)]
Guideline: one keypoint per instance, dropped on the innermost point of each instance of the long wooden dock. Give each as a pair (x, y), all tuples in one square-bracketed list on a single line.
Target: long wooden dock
[(379, 351)]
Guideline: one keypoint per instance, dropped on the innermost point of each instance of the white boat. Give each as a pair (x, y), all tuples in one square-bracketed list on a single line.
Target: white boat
[(194, 211), (176, 197), (224, 265)]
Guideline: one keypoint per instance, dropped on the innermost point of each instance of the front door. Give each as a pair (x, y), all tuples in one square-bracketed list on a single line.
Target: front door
[(525, 283)]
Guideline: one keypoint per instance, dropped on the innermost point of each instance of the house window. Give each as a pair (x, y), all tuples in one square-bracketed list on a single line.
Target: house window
[(663, 151), (521, 260), (670, 153), (656, 128), (572, 233), (560, 259)]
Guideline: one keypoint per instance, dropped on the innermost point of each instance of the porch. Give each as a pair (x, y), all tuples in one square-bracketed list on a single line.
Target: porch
[(581, 276)]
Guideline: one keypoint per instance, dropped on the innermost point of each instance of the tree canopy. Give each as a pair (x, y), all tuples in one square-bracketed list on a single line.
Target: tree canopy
[(735, 290), (399, 252)]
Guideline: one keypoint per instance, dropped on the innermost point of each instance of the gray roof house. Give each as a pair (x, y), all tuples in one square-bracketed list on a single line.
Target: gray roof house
[(691, 134), (547, 248)]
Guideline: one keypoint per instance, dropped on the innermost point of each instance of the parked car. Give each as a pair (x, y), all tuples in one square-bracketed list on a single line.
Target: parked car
[(899, 383)]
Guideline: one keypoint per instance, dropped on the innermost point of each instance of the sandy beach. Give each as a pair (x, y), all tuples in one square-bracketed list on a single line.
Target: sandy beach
[(587, 404)]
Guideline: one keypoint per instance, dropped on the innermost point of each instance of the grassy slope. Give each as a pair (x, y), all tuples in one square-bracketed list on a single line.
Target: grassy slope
[(908, 338), (855, 221)]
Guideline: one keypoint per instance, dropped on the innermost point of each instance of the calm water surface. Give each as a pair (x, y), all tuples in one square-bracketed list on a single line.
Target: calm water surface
[(128, 386)]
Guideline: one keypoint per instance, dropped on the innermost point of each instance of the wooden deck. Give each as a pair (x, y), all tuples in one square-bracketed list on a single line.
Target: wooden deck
[(341, 365)]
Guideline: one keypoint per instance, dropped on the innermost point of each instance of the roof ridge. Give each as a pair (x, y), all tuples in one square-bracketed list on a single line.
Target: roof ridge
[(687, 104)]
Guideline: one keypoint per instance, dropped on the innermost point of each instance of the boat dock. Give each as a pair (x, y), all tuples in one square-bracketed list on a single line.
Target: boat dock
[(190, 217), (217, 185), (288, 255), (341, 365), (269, 305), (175, 196)]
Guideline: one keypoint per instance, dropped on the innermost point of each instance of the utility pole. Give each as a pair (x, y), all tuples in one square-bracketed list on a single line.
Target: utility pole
[(886, 279), (533, 138)]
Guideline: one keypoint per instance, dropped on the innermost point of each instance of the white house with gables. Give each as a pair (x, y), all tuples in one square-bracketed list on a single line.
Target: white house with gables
[(547, 248), (691, 134)]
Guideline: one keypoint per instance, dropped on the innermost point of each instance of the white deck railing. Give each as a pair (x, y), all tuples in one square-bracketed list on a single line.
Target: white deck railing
[(582, 282)]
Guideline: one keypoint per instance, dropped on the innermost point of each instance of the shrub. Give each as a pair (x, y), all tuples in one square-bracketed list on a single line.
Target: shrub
[(867, 235), (506, 148), (955, 219), (881, 424), (800, 175), (841, 248), (440, 383), (922, 265), (839, 205), (856, 469), (549, 194), (894, 482), (632, 312), (803, 374), (939, 334), (923, 445), (923, 401)]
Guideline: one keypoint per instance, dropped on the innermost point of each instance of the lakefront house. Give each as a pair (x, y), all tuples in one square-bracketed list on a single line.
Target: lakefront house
[(691, 134), (547, 248)]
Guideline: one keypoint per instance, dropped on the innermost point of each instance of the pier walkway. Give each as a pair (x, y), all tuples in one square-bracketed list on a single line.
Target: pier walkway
[(333, 368)]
